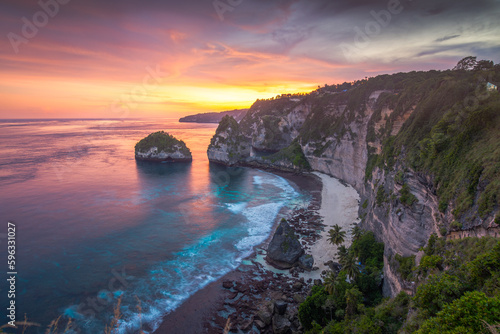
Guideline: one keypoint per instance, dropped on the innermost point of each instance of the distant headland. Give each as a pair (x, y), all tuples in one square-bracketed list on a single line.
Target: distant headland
[(214, 117)]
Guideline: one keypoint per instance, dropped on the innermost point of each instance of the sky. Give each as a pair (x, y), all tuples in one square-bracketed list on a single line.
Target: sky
[(169, 58)]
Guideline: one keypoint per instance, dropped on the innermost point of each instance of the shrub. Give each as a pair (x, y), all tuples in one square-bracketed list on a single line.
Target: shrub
[(464, 315), (293, 154), (399, 177), (439, 290), (406, 266), (407, 198), (456, 225), (431, 261), (311, 309), (381, 195), (368, 250)]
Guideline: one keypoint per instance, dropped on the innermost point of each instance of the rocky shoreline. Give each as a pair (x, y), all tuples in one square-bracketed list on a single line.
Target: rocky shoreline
[(263, 300), (256, 298)]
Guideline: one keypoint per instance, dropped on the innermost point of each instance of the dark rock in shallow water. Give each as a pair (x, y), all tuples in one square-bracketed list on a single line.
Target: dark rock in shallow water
[(306, 262), (297, 286), (284, 249), (280, 307), (228, 284)]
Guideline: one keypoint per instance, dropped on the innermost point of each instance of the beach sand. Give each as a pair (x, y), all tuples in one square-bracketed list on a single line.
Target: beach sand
[(339, 205)]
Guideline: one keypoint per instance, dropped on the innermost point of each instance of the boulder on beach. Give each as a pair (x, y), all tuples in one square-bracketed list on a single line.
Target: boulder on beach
[(284, 250), (160, 147), (306, 262)]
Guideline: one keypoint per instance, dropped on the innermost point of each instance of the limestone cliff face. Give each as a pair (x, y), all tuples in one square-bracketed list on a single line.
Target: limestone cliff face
[(228, 146), (344, 156), (404, 228), (154, 155), (342, 134)]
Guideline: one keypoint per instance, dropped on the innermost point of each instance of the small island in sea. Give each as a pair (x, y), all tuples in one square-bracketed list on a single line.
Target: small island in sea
[(161, 146)]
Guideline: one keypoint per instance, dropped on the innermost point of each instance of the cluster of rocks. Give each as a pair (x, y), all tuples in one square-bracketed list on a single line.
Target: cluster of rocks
[(261, 302), (307, 223)]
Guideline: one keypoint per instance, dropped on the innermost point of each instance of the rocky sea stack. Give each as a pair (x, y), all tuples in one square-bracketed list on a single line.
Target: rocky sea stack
[(285, 251), (160, 146)]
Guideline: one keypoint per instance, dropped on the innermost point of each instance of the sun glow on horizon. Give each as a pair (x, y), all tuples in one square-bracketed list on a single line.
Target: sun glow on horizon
[(93, 58)]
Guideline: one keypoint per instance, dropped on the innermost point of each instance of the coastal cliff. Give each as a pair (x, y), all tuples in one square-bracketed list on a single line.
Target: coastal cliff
[(420, 148)]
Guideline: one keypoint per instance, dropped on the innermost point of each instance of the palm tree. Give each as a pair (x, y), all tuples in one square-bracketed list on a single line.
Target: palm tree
[(357, 232), (350, 266), (336, 235), (331, 281), (342, 253)]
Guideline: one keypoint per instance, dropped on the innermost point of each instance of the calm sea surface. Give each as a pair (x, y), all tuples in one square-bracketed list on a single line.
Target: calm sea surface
[(93, 226)]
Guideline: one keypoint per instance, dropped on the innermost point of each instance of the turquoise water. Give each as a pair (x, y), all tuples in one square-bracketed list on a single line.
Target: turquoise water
[(94, 226)]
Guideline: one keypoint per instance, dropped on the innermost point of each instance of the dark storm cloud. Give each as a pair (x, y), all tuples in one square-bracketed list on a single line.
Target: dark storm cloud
[(126, 32), (446, 38)]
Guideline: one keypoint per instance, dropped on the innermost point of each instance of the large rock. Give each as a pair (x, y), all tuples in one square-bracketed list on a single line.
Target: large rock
[(280, 307), (265, 316), (284, 249), (160, 146)]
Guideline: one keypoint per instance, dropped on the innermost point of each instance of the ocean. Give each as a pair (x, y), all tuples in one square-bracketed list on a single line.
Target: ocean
[(94, 227)]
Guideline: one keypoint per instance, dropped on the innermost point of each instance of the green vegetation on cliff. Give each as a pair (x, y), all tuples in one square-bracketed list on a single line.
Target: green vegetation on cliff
[(452, 134), (163, 142), (228, 133), (458, 292), (346, 294), (292, 154), (458, 287)]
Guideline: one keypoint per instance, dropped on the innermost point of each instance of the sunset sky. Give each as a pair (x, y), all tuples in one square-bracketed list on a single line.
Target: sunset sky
[(152, 58)]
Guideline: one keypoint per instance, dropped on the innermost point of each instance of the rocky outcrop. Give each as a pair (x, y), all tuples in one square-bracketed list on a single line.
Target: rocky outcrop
[(284, 250), (160, 147), (214, 117), (228, 145), (264, 138)]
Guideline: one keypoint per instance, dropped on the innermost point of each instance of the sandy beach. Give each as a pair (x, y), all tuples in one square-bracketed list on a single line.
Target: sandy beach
[(339, 205)]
